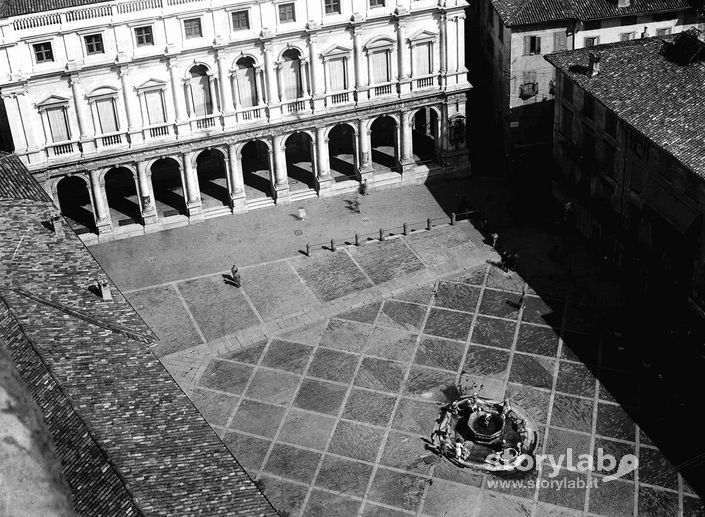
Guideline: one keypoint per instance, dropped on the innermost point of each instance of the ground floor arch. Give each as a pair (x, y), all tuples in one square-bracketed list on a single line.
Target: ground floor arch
[(121, 193), (299, 161), (425, 134), (74, 200), (256, 169), (168, 187), (342, 153), (212, 179), (384, 142)]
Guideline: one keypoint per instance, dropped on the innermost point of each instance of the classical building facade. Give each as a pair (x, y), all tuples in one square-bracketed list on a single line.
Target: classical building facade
[(138, 115), (515, 83), (630, 151)]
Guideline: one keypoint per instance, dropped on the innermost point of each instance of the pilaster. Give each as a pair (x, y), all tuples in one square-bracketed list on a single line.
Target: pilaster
[(281, 184), (177, 93), (147, 206), (129, 96), (324, 179), (194, 206), (102, 213), (84, 126), (237, 182), (226, 92)]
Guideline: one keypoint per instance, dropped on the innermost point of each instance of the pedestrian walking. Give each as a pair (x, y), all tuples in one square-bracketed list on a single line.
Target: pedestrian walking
[(235, 276), (302, 214), (363, 188), (524, 292), (494, 236)]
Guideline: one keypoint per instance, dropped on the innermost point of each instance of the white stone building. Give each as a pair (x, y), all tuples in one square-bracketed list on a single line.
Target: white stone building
[(142, 114)]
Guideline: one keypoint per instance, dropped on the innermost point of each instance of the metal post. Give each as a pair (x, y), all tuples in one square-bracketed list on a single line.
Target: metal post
[(428, 224), (308, 250), (405, 230), (332, 244), (381, 234), (357, 239), (452, 218)]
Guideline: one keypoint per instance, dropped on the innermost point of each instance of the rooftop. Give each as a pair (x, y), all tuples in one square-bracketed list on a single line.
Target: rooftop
[(656, 85), (128, 439), (530, 12)]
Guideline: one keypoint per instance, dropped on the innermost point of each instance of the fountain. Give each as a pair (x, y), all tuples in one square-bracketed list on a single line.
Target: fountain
[(486, 434)]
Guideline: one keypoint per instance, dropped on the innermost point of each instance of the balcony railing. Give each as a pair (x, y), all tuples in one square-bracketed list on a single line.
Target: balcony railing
[(108, 140), (383, 90), (249, 114), (425, 82), (60, 149), (204, 122), (158, 131), (297, 106), (339, 98)]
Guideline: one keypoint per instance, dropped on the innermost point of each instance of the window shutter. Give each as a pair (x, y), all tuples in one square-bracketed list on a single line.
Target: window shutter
[(527, 45), (291, 78), (380, 67), (538, 45), (336, 71), (247, 87), (560, 41), (106, 115), (58, 125), (422, 59), (155, 107), (201, 96)]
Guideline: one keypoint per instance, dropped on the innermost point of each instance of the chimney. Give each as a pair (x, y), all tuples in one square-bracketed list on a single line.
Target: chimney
[(594, 65), (623, 3)]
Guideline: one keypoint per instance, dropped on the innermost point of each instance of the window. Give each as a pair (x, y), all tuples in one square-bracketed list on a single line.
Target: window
[(567, 123), (241, 20), (591, 25), (560, 41), (626, 36), (246, 82), (532, 45), (43, 52), (376, 3), (287, 13), (192, 28), (337, 77), (381, 72), (58, 124), (610, 124), (154, 103), (422, 59), (529, 86), (332, 6), (94, 44), (588, 105), (639, 144), (692, 186), (201, 103), (107, 116), (500, 32), (567, 89), (144, 36), (591, 42), (291, 75), (663, 32), (609, 160)]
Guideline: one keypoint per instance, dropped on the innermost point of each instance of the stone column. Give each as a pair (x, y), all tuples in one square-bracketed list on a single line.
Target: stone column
[(177, 92), (403, 58), (16, 121), (31, 120), (365, 148), (260, 83), (84, 125), (314, 62), (461, 45), (193, 194), (214, 95), (324, 179), (281, 185), (273, 99), (237, 182), (226, 92), (100, 200), (144, 182), (443, 49), (406, 156), (359, 61), (134, 124)]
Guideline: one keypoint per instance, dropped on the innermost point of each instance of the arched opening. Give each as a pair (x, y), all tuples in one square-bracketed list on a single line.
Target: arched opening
[(299, 162), (383, 140), (246, 82), (121, 191), (168, 190), (75, 204), (212, 180), (198, 96), (255, 170), (291, 74), (425, 134), (341, 152)]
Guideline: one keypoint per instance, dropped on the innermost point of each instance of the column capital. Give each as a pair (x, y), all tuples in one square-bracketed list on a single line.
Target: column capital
[(123, 70), (312, 38), (74, 79), (267, 45), (172, 62)]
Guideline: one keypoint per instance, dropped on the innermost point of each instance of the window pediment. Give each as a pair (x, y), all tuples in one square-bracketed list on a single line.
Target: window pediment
[(336, 51), (422, 36), (53, 101), (103, 91), (152, 84), (380, 43)]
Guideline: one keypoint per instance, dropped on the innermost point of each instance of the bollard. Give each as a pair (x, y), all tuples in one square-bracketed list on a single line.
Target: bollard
[(405, 229), (357, 239), (452, 218), (428, 224), (308, 250), (332, 244), (381, 234)]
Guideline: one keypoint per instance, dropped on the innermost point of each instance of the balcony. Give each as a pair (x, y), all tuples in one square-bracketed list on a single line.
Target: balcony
[(298, 106), (250, 114), (203, 122), (159, 131), (382, 90), (528, 90), (335, 99), (109, 140), (61, 149), (425, 82)]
